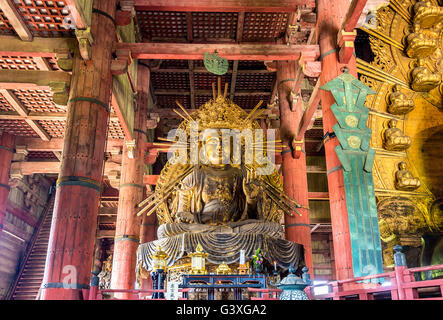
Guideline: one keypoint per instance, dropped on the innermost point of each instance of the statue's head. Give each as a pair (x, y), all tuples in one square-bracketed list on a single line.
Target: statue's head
[(213, 148), (393, 123), (402, 165)]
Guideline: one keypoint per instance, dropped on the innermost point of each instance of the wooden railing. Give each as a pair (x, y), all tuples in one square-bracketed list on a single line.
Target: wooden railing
[(401, 284), (266, 294)]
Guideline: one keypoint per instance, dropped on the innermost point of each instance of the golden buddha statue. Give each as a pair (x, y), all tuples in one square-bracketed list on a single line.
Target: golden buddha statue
[(421, 44), (404, 180), (223, 202), (427, 14), (422, 79), (395, 139), (399, 103)]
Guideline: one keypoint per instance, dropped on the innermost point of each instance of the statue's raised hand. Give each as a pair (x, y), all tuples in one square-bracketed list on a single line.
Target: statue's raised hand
[(185, 217)]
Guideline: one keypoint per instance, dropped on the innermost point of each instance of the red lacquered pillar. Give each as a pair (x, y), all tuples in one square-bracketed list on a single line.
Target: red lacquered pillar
[(127, 234), (295, 181), (71, 242), (330, 17)]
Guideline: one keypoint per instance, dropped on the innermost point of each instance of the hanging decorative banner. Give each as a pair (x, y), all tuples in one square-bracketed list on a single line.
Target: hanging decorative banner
[(215, 64), (357, 159)]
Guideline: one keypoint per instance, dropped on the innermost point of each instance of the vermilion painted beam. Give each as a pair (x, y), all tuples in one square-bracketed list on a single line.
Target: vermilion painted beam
[(190, 51), (223, 6)]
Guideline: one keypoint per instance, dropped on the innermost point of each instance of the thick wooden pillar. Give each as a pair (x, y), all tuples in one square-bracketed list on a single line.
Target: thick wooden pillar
[(71, 242), (127, 234), (7, 144), (330, 16), (295, 181)]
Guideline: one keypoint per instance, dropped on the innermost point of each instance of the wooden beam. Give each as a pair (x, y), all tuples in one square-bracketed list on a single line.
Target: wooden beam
[(191, 51), (318, 195), (204, 70), (38, 129), (223, 6), (46, 167), (209, 92), (101, 234), (21, 78), (306, 120), (353, 15), (14, 102), (50, 116), (42, 64), (169, 112), (56, 144), (22, 111), (15, 19), (39, 47), (107, 211)]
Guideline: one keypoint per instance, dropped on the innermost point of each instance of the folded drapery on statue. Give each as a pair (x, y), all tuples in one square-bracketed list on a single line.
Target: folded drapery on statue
[(223, 247)]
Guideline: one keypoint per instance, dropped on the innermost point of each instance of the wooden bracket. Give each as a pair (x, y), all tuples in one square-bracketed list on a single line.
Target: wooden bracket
[(60, 90), (271, 66), (346, 44), (85, 40), (64, 59), (121, 64)]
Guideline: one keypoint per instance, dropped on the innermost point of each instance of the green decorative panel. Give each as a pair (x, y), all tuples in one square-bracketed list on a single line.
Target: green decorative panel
[(357, 159)]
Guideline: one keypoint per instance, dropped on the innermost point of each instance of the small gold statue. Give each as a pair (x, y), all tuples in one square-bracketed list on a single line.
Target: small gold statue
[(422, 79), (399, 102), (404, 180), (395, 139), (421, 44), (427, 14), (223, 268)]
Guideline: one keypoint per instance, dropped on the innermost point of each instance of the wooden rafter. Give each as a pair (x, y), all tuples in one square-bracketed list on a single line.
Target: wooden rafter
[(47, 167), (16, 20), (23, 112), (192, 51), (222, 6)]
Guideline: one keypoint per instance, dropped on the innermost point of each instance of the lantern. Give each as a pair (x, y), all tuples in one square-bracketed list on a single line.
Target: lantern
[(198, 260), (159, 259)]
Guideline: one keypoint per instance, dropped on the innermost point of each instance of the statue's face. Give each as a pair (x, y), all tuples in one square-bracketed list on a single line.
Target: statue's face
[(402, 165), (213, 150)]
